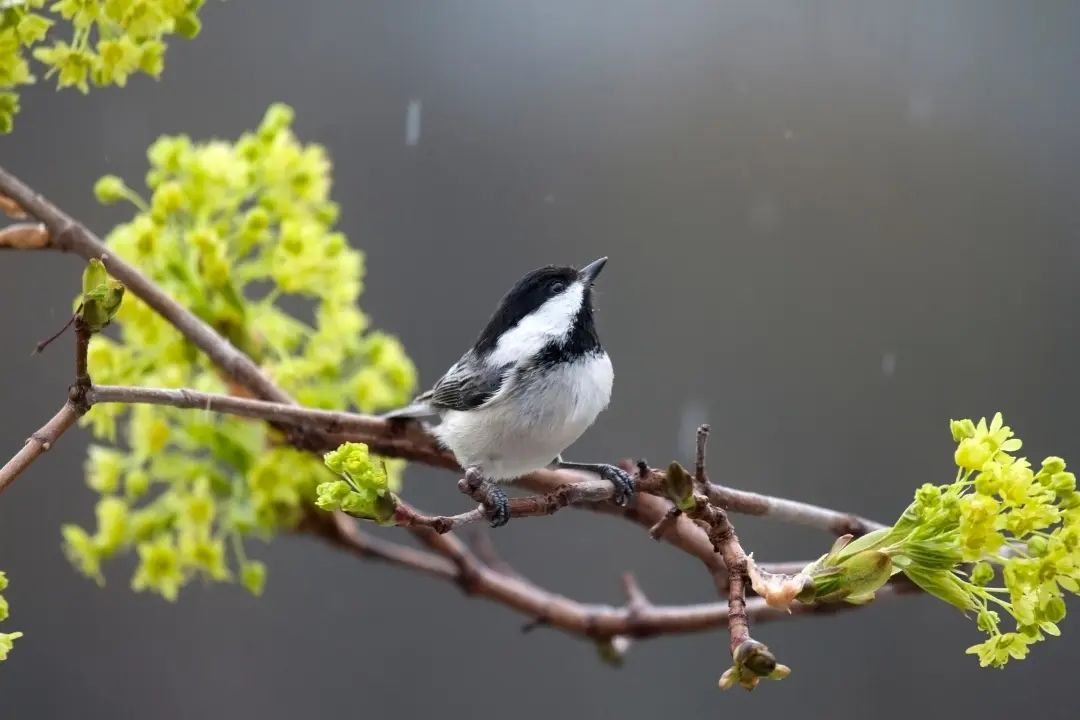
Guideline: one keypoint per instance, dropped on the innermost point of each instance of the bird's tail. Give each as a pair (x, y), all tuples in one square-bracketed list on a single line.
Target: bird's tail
[(418, 408)]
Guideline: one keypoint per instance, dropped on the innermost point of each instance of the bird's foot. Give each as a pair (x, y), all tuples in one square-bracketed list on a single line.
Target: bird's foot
[(491, 496), (625, 485)]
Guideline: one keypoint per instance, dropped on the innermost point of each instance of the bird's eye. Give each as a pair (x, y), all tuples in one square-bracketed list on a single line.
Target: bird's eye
[(558, 286)]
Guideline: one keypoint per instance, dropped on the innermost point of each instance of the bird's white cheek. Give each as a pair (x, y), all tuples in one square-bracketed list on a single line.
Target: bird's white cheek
[(551, 321)]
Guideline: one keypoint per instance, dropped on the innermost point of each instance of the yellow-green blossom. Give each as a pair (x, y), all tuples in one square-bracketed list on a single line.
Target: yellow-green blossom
[(159, 569), (81, 42), (237, 232)]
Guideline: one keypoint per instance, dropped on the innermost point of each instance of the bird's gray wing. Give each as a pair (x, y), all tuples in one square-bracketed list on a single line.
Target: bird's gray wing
[(465, 386)]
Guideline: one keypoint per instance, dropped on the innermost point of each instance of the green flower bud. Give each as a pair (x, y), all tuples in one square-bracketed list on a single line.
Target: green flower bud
[(100, 305), (94, 275), (1054, 611), (1052, 465), (253, 576), (136, 484), (982, 574), (1036, 545), (110, 189), (928, 495), (188, 25), (961, 429), (679, 487), (987, 620), (1063, 482), (278, 117)]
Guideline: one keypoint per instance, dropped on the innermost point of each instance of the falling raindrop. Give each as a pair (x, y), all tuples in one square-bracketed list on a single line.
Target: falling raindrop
[(888, 364), (412, 123)]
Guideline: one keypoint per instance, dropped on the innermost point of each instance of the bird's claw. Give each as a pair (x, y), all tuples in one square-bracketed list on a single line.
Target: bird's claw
[(496, 506), (491, 496), (624, 482)]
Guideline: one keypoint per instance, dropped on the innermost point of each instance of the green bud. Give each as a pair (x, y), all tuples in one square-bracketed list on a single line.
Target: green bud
[(982, 574), (870, 540), (94, 275), (1036, 545), (679, 487), (1054, 610), (1063, 482), (752, 661), (278, 117), (928, 495), (755, 657), (101, 304), (110, 189), (987, 620), (961, 429), (864, 573), (1052, 465), (136, 483), (253, 576), (188, 25)]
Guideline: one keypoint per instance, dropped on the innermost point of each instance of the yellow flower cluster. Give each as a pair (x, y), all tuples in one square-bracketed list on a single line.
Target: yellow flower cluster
[(109, 41), (7, 640), (999, 518), (241, 233)]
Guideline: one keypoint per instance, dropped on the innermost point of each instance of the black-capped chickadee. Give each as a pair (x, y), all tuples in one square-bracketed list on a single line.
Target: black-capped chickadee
[(535, 379)]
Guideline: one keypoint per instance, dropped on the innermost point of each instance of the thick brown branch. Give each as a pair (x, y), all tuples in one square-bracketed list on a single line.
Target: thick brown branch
[(412, 441)]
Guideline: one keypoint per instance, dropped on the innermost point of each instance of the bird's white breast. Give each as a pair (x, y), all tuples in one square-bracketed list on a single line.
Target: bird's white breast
[(540, 415)]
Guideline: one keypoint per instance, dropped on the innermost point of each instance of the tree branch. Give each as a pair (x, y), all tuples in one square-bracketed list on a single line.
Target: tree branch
[(67, 235), (411, 440), (75, 406), (38, 443), (446, 556)]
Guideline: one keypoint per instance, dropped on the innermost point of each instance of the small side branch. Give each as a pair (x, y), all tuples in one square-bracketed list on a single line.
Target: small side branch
[(45, 437), (38, 443)]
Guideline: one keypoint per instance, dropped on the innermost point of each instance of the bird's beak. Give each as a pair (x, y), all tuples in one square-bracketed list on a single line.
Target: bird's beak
[(590, 271)]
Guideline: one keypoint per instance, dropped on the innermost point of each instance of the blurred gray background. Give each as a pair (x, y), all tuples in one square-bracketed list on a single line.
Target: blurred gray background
[(833, 226)]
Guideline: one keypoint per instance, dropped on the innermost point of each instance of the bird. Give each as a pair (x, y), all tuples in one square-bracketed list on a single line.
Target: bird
[(533, 382)]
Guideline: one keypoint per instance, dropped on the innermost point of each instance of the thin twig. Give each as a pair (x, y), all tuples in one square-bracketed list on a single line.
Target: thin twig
[(38, 443)]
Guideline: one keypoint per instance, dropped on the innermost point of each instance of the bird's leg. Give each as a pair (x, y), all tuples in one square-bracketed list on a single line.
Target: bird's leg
[(624, 482), (491, 496)]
